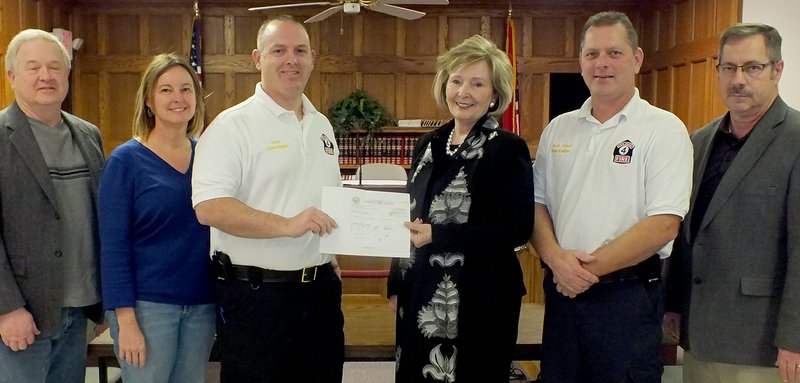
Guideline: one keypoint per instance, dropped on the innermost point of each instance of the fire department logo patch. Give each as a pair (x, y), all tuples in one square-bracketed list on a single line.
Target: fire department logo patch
[(623, 152), (327, 145)]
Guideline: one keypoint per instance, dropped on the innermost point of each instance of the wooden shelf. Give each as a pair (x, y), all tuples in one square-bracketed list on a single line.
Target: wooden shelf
[(354, 166), (395, 130)]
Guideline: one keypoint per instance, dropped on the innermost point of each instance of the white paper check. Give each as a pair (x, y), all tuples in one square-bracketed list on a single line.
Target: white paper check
[(370, 223)]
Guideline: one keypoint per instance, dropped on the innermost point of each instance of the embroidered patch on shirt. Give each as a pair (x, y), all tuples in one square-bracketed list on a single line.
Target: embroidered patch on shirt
[(327, 144), (623, 152)]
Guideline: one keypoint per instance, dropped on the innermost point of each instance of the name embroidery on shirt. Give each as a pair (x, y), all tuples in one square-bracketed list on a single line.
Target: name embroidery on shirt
[(561, 148), (623, 152), (327, 145), (277, 145)]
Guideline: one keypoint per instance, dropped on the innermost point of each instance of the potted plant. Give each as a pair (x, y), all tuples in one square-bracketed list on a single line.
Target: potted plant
[(359, 111)]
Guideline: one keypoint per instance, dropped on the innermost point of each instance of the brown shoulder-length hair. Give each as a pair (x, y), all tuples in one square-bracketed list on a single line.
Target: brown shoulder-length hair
[(143, 123)]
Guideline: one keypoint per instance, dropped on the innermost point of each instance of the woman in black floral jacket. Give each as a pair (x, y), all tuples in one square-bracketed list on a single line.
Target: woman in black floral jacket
[(458, 297)]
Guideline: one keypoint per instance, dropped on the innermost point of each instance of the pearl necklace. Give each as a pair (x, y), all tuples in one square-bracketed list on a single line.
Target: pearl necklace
[(447, 146)]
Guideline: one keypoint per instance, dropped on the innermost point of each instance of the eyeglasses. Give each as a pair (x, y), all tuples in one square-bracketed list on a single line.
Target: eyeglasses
[(751, 69)]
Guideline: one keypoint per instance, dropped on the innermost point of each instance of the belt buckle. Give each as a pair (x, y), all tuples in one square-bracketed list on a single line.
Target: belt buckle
[(306, 273)]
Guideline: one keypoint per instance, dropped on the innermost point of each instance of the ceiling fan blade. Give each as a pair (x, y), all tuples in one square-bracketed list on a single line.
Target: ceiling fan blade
[(415, 2), (271, 7), (404, 13), (324, 14)]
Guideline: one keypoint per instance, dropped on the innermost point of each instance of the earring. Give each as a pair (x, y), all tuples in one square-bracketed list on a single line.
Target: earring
[(149, 112), (491, 104)]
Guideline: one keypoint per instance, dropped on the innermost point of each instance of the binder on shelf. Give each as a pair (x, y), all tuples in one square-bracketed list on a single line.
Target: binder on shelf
[(419, 123)]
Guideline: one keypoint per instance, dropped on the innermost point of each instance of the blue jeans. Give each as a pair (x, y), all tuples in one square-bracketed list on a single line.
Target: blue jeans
[(177, 338), (59, 357)]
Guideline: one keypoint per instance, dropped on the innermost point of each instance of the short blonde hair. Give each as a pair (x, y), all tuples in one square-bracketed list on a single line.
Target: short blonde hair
[(143, 123), (472, 50), (29, 35)]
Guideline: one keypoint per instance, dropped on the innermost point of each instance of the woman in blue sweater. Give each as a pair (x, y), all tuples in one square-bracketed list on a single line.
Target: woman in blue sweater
[(156, 275)]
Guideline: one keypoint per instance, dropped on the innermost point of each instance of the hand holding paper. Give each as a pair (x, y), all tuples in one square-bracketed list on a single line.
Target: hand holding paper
[(370, 222)]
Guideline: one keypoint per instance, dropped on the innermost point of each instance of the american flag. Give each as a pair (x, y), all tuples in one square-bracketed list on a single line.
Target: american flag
[(195, 53)]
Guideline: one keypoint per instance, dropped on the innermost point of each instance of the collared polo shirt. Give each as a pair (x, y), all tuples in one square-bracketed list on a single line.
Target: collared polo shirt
[(599, 179), (260, 154)]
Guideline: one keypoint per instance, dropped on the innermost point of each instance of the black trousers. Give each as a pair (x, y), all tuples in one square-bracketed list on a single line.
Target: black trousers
[(281, 331), (609, 334)]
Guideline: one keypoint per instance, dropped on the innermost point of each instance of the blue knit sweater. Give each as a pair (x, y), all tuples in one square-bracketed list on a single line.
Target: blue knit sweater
[(152, 246)]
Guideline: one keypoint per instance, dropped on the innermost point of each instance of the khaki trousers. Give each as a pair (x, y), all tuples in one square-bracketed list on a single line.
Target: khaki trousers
[(698, 371)]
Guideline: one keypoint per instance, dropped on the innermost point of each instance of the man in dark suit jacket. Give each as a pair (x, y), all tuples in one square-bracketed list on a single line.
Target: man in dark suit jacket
[(732, 295), (49, 167)]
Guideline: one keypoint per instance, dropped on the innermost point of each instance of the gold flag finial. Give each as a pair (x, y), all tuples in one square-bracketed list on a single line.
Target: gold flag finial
[(196, 9), (509, 9)]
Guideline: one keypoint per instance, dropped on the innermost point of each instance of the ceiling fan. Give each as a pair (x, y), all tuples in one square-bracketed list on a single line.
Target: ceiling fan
[(354, 6)]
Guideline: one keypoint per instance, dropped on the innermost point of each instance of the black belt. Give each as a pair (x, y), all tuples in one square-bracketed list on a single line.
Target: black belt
[(648, 270), (256, 274)]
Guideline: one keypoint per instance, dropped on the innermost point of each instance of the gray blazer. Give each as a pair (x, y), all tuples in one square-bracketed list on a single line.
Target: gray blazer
[(737, 285), (30, 262)]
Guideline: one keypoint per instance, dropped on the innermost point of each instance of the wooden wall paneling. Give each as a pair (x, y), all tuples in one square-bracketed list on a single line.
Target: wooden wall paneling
[(648, 32), (727, 13), (527, 38), (123, 35), (572, 39), (703, 18), (682, 85), (420, 37), (337, 35), (497, 32), (119, 96), (534, 107), (245, 30), (86, 101), (666, 27), (213, 32), (167, 33), (647, 86), (382, 88), (664, 88), (314, 89), (580, 21), (214, 87), (245, 86), (86, 27), (684, 22), (230, 36), (549, 36), (441, 35), (459, 28), (144, 28), (717, 107), (419, 102), (699, 95), (28, 15), (335, 86), (379, 35), (44, 15)]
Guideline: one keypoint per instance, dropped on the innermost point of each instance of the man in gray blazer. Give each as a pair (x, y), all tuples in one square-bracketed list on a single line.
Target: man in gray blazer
[(733, 293), (49, 166)]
